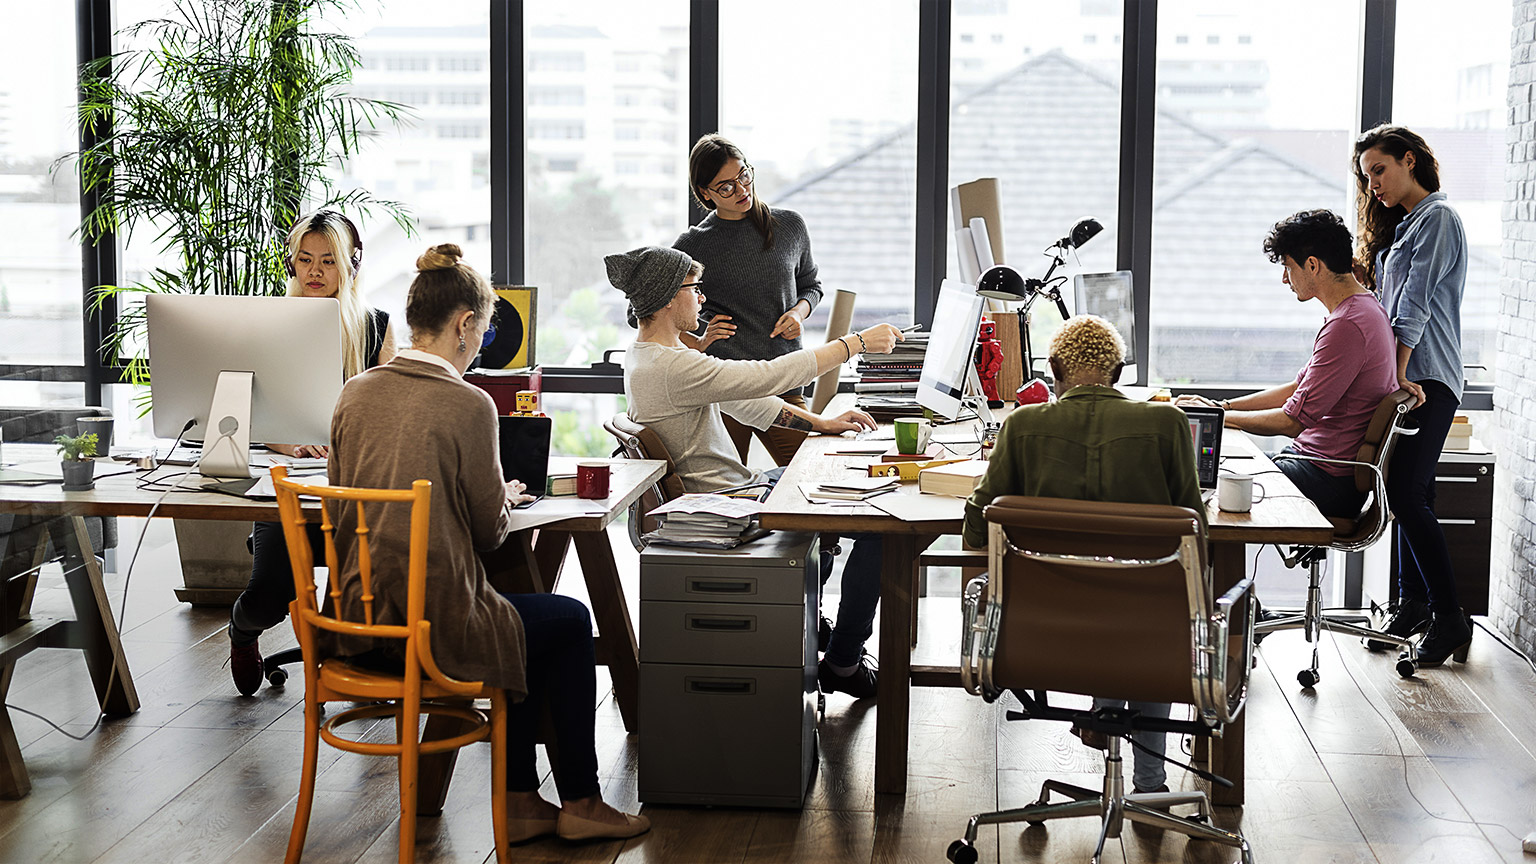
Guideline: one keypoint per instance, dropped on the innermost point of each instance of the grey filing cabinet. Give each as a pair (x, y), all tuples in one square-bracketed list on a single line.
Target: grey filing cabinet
[(728, 687)]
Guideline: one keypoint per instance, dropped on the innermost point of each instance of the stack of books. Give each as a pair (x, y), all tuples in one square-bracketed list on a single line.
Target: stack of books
[(848, 489), (887, 384), (706, 521), (958, 479)]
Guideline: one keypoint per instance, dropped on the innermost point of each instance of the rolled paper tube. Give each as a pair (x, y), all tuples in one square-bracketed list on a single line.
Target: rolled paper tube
[(983, 245), (837, 325), (965, 250)]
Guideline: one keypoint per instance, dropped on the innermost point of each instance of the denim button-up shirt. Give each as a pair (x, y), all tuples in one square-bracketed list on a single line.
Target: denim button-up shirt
[(1421, 278)]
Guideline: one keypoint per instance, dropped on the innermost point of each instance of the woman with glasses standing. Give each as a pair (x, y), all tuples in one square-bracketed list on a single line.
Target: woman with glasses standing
[(762, 279), (1414, 253), (325, 253)]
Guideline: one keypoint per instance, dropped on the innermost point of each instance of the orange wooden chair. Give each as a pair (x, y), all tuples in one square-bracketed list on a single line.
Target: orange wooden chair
[(416, 691)]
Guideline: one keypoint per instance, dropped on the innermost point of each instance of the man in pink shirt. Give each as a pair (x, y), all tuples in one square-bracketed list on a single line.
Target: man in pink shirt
[(1327, 408)]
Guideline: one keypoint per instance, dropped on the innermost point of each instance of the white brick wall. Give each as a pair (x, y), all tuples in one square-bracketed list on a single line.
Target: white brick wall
[(1512, 600)]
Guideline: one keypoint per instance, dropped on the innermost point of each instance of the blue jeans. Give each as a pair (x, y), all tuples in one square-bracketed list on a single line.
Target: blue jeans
[(1150, 772), (1423, 561), (1334, 496), (861, 594), (561, 675)]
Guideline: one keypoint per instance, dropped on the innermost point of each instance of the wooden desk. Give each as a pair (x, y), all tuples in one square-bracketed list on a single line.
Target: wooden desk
[(1279, 519), (530, 560)]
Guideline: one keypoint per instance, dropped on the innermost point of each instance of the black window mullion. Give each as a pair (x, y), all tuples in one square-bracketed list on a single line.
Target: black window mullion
[(1138, 126), (509, 256), (930, 240), (98, 261), (1378, 53), (703, 80)]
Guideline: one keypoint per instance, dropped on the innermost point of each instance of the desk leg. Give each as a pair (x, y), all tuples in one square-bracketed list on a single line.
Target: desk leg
[(1228, 562), (616, 648), (892, 719), (97, 631), (549, 552), (23, 555)]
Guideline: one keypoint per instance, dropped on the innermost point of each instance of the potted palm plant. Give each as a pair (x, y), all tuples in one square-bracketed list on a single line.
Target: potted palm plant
[(211, 138), (77, 460)]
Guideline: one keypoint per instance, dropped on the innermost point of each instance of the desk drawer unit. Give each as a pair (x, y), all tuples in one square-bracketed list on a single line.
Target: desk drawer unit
[(1464, 506), (728, 673)]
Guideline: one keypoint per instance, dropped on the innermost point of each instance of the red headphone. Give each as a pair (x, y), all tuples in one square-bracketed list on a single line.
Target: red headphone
[(318, 222)]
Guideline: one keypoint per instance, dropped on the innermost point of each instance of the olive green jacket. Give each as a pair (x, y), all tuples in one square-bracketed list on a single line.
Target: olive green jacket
[(1093, 444)]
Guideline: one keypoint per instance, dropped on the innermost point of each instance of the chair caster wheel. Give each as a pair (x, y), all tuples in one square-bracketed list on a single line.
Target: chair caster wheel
[(1406, 668), (961, 852), (1307, 678), (277, 677)]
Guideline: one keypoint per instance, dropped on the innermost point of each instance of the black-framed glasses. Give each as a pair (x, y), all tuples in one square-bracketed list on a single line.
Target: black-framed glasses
[(698, 287), (729, 187)]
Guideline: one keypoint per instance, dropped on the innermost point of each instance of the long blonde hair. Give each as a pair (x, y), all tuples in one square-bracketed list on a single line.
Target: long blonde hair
[(356, 314)]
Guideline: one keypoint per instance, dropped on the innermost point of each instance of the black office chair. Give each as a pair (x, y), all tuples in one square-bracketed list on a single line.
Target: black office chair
[(1389, 423), (1108, 600)]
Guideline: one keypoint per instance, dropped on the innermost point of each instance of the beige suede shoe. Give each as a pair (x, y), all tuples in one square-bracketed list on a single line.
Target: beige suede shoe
[(576, 828)]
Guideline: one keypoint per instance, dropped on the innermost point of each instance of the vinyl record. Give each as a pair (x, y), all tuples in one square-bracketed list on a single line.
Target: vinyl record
[(510, 343)]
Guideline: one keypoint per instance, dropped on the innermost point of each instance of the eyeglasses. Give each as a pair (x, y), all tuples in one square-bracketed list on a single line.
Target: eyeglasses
[(698, 287), (728, 188)]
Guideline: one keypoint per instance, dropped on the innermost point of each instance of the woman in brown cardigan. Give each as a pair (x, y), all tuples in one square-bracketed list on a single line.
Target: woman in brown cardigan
[(415, 418)]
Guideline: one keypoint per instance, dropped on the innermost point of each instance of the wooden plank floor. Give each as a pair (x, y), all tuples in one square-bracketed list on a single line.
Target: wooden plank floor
[(1366, 768)]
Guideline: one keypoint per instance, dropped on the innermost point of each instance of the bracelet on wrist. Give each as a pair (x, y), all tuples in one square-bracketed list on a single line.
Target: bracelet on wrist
[(863, 348), (1226, 405), (847, 353)]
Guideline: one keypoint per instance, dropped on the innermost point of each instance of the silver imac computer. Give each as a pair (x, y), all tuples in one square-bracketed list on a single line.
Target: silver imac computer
[(243, 368), (1111, 296), (950, 363)]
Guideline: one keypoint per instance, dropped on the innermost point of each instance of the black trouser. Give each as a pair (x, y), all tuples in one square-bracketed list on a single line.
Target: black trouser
[(562, 674), (264, 602), (1423, 561)]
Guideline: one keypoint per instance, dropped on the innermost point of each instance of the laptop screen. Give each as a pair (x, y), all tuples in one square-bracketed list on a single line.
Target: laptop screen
[(1205, 429), (525, 450)]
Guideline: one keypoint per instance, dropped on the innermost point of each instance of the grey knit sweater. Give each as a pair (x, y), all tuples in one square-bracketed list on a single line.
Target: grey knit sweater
[(752, 285)]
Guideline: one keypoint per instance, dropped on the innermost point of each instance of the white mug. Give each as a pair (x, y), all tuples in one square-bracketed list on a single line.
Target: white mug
[(1234, 492)]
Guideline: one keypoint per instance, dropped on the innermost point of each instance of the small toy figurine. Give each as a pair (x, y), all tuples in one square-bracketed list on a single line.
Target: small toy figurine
[(989, 359), (528, 404)]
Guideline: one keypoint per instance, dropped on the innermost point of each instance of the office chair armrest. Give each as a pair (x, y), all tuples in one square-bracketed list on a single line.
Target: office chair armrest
[(1378, 481), (972, 632), (1224, 703)]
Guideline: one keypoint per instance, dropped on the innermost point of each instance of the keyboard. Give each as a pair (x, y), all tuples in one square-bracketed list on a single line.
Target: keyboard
[(874, 435)]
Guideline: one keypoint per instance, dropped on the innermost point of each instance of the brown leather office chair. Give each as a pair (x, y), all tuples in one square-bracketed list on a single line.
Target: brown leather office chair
[(418, 689), (637, 441), (1108, 600), (1388, 424)]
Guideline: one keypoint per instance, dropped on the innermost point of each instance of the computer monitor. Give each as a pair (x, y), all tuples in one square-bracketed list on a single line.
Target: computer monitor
[(950, 360), (1110, 296), (243, 368)]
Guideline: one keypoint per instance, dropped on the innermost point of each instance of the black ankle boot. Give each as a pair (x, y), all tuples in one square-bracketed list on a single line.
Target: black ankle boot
[(1406, 617), (1450, 634)]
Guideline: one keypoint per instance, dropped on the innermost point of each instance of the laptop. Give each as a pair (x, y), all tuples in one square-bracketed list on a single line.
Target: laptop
[(1205, 429), (524, 443)]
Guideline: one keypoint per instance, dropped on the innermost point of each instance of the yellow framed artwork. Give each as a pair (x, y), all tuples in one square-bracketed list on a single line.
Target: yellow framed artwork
[(513, 345)]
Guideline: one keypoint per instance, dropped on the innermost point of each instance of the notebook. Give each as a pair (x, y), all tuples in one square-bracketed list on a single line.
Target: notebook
[(524, 445)]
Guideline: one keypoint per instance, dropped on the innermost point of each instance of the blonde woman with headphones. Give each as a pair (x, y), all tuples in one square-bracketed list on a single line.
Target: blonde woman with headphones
[(325, 254)]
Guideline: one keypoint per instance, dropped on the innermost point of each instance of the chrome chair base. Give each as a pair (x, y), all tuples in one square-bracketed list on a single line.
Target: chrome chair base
[(1113, 806), (1313, 620)]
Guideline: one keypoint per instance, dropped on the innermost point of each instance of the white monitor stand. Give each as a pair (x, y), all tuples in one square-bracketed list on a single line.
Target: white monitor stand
[(227, 447), (977, 398)]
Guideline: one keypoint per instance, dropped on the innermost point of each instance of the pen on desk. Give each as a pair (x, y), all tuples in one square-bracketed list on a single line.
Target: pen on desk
[(912, 328)]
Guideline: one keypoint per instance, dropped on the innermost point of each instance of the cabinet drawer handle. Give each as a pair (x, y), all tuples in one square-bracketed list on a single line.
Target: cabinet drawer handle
[(718, 586), (731, 625), (1439, 479), (1457, 521), (722, 686)]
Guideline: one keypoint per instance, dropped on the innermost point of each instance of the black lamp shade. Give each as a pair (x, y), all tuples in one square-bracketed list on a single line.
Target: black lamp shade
[(1082, 232), (1002, 283)]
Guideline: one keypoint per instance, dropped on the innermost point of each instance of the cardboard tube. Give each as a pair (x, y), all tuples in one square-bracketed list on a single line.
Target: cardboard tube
[(965, 250), (837, 325), (983, 244)]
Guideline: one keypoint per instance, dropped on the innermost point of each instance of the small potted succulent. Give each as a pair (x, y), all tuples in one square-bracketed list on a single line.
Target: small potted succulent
[(77, 460)]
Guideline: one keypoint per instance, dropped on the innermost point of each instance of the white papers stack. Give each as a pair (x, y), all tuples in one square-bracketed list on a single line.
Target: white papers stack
[(851, 489), (707, 521)]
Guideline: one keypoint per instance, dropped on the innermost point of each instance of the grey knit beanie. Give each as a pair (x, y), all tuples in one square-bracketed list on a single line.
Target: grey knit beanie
[(649, 276)]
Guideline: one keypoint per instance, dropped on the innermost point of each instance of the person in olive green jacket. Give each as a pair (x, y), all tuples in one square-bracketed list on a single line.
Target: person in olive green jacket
[(1094, 444)]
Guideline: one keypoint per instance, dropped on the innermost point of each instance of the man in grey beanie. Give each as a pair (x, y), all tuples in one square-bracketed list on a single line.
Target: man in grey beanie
[(681, 394)]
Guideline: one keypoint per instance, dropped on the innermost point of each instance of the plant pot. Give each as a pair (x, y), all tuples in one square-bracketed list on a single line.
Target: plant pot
[(79, 475), (215, 565)]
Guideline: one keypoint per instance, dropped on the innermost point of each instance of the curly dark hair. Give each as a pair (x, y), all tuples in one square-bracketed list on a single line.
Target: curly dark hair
[(1377, 223), (1319, 234)]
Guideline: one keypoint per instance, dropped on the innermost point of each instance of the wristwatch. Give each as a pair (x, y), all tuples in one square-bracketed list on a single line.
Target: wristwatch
[(1226, 405)]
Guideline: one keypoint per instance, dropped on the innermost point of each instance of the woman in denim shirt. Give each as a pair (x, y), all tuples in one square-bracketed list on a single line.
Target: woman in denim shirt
[(1415, 256)]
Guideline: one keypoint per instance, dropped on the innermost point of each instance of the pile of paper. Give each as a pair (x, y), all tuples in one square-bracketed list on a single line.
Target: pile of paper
[(849, 489), (706, 521)]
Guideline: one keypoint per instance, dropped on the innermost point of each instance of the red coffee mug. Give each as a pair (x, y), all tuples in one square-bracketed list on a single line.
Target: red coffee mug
[(592, 480), (1033, 393)]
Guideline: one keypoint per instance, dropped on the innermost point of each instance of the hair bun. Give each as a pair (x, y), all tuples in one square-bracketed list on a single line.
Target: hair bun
[(444, 256)]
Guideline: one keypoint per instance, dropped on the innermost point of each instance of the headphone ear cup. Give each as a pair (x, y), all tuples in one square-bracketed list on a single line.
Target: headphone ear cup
[(357, 261)]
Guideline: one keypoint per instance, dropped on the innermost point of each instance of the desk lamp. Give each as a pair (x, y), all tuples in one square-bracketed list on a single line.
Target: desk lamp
[(1005, 283)]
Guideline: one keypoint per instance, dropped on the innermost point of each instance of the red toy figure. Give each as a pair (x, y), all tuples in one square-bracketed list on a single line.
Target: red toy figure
[(989, 359)]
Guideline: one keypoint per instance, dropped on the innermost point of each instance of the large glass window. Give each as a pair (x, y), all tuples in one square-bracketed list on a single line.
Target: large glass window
[(1450, 85), (832, 135), (1249, 131), (1035, 102), (607, 96), (40, 297)]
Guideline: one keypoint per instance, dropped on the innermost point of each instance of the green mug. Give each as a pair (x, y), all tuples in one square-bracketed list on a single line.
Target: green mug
[(912, 435)]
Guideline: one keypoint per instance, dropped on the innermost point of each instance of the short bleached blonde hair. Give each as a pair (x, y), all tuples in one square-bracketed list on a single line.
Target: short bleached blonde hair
[(1088, 343)]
